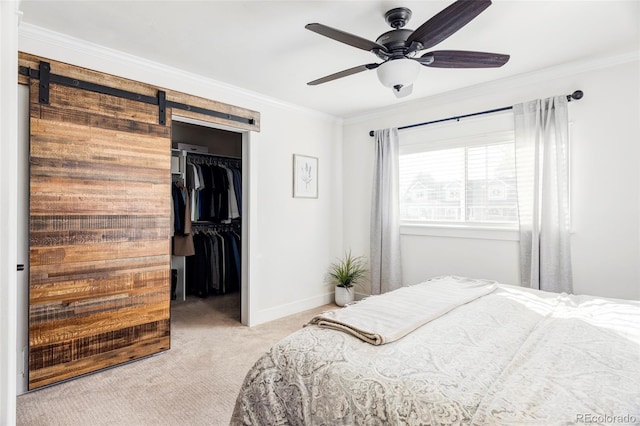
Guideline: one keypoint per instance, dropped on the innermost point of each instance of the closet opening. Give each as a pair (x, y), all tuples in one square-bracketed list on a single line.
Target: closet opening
[(208, 244)]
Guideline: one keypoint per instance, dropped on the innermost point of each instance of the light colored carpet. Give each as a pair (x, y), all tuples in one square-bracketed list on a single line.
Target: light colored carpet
[(194, 383)]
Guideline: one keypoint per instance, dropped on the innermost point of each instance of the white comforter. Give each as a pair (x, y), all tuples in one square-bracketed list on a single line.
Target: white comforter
[(515, 356)]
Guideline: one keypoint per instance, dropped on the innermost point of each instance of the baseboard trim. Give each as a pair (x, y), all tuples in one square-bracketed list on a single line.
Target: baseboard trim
[(292, 308)]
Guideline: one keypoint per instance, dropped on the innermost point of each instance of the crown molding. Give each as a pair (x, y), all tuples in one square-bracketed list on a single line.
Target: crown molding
[(43, 42), (54, 45), (520, 80)]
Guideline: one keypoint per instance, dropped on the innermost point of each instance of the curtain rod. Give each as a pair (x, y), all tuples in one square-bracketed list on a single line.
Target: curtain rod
[(578, 94)]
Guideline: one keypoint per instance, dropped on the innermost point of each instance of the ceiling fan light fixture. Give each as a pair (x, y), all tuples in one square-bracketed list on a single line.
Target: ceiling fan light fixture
[(398, 72)]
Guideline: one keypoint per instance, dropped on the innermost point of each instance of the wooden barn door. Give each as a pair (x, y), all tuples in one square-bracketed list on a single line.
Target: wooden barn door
[(100, 200)]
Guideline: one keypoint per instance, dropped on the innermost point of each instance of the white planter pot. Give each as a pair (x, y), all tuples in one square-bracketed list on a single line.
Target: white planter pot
[(344, 295)]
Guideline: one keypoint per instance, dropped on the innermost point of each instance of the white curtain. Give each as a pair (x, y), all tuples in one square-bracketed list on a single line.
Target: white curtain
[(386, 272), (541, 133)]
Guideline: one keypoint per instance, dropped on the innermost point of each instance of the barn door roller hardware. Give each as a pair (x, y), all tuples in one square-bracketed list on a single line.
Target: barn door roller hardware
[(46, 78)]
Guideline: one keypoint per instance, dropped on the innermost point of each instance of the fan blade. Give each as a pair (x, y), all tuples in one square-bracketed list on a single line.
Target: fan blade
[(447, 22), (404, 91), (462, 59), (341, 36), (343, 73)]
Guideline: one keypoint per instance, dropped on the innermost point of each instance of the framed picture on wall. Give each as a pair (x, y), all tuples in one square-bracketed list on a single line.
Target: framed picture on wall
[(305, 176)]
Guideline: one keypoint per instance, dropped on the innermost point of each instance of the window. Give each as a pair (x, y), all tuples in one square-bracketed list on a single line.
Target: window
[(469, 180)]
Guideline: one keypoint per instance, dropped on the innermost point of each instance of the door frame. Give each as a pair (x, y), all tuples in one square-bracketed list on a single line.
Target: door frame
[(248, 203)]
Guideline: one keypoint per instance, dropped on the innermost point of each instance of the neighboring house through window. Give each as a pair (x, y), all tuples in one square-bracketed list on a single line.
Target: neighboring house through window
[(460, 173)]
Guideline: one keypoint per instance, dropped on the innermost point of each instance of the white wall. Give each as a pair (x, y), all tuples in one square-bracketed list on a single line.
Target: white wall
[(430, 256), (291, 240), (9, 18), (605, 178)]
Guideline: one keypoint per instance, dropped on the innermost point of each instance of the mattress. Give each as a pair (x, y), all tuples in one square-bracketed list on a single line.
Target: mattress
[(513, 356)]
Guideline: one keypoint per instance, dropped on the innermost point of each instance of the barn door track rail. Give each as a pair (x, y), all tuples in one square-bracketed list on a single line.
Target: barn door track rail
[(43, 73)]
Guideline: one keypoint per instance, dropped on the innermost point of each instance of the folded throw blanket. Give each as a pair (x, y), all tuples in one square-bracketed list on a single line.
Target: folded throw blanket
[(387, 317)]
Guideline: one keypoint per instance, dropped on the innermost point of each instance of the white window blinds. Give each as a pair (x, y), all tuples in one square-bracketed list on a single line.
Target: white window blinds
[(468, 179)]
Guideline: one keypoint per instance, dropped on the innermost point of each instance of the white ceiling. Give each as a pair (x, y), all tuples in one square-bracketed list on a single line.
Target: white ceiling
[(262, 45)]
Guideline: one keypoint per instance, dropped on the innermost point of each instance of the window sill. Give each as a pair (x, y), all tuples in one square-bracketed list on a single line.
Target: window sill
[(461, 231)]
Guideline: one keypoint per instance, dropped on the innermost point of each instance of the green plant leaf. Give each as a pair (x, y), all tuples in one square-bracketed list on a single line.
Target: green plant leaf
[(348, 271)]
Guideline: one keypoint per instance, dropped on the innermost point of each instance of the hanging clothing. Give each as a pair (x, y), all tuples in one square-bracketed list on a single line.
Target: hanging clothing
[(237, 187), (234, 212), (182, 236), (214, 185), (215, 189), (215, 268)]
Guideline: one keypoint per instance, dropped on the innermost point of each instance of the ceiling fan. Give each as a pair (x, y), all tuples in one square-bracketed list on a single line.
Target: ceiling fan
[(400, 49)]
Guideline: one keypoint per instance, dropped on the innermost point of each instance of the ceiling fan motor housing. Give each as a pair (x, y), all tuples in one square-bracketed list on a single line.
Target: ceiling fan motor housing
[(394, 41)]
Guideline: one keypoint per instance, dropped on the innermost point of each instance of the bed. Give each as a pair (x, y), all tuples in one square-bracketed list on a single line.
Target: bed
[(507, 355)]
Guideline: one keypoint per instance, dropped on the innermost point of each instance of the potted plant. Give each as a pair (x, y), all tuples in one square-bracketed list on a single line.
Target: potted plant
[(346, 273)]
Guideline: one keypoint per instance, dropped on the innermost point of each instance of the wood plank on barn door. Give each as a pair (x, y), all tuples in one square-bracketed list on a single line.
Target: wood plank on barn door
[(100, 200)]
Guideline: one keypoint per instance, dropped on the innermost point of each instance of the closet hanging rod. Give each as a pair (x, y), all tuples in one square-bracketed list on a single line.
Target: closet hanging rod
[(217, 226), (198, 158), (210, 224), (578, 94), (207, 154)]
